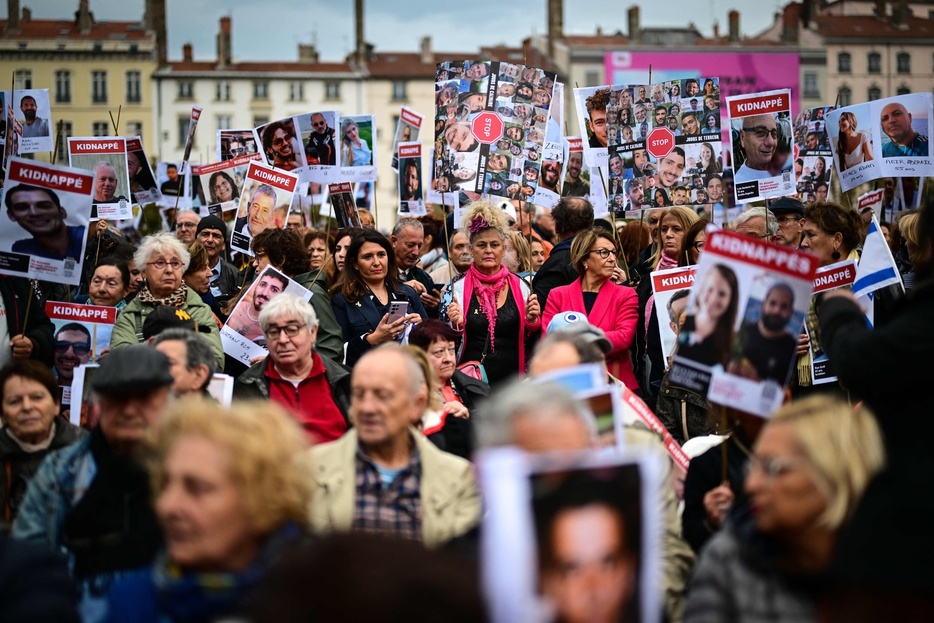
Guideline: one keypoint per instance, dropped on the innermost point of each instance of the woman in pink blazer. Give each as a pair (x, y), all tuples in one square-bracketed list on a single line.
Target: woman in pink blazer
[(612, 307)]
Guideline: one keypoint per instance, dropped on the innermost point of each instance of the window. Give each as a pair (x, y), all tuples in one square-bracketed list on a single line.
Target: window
[(903, 63), (399, 90), (223, 122), (62, 154), (810, 85), (903, 90), (134, 128), (874, 93), (186, 90), (844, 63), (99, 87), (100, 128), (332, 90), (22, 79), (592, 78), (222, 91), (261, 90), (296, 91), (62, 87), (845, 96), (183, 123), (260, 120), (874, 60), (133, 92)]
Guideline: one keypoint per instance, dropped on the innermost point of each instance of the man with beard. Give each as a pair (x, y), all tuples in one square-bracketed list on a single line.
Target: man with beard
[(245, 318), (551, 171), (33, 125), (411, 181), (322, 139), (72, 348), (277, 141), (768, 347), (573, 185), (635, 193)]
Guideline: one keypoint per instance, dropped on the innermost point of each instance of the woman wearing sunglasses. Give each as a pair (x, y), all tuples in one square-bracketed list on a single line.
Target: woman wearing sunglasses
[(611, 307)]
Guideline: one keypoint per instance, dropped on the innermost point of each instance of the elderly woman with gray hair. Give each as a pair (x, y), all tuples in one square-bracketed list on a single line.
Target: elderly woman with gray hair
[(163, 260)]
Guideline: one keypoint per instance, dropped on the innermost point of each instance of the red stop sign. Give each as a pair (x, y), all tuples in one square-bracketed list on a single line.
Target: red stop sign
[(660, 142), (487, 127)]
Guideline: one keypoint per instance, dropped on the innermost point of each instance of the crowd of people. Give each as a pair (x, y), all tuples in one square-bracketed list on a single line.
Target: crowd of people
[(376, 392)]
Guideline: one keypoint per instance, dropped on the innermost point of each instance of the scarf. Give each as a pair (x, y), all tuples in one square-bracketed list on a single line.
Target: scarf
[(487, 288), (178, 298), (664, 263)]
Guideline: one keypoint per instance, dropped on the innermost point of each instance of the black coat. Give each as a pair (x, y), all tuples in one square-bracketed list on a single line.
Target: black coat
[(16, 292), (557, 271), (35, 585), (457, 436)]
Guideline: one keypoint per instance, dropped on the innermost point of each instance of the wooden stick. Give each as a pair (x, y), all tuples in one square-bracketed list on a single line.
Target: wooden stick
[(375, 210), (447, 238), (58, 141), (724, 472), (32, 294)]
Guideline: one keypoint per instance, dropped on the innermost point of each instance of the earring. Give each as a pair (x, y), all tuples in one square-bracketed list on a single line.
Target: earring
[(585, 266), (835, 255)]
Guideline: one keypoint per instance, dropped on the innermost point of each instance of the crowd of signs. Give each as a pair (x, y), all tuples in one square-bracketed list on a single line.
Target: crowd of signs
[(498, 132)]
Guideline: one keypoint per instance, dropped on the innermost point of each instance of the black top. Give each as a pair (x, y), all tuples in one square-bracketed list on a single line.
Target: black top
[(590, 299), (502, 359)]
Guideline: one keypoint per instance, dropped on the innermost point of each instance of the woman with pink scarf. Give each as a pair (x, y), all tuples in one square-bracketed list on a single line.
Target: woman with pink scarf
[(494, 310)]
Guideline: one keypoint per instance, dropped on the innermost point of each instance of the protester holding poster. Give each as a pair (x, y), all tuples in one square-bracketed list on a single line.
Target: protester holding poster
[(267, 195), (762, 147), (142, 182)]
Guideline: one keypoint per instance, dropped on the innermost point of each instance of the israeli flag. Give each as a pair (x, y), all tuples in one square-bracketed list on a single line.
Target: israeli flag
[(876, 268)]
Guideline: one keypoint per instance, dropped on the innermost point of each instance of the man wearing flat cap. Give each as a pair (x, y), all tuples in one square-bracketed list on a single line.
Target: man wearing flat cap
[(92, 500), (790, 215)]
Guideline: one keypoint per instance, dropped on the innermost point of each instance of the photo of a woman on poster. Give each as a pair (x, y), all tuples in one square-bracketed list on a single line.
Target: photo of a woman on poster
[(354, 150), (853, 146), (707, 335)]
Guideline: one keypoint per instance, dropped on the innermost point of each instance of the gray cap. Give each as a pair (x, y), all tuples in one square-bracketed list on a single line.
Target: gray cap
[(576, 323), (133, 369)]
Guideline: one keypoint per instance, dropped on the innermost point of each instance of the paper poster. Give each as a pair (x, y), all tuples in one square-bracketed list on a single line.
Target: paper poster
[(221, 388), (575, 176), (220, 185), (671, 288), (82, 334), (548, 192), (871, 201), (241, 335), (142, 181), (319, 136), (232, 144), (83, 396), (29, 116), (411, 201), (490, 122), (190, 141), (48, 211), (763, 151), (106, 158), (174, 186), (407, 131), (264, 203), (599, 108), (744, 315), (827, 278), (588, 383), (440, 188), (635, 409), (813, 157), (597, 515), (357, 140), (343, 206)]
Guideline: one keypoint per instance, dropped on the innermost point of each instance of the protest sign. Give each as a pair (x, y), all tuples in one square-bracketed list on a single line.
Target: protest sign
[(548, 191), (744, 314), (48, 210), (82, 398), (264, 203), (357, 140), (343, 206), (598, 110), (281, 147), (812, 154), (241, 335), (411, 201), (82, 334), (871, 201), (575, 176), (174, 186), (106, 158), (762, 145), (671, 288), (827, 278), (143, 188), (235, 143), (190, 141), (29, 118), (546, 513), (407, 131), (851, 142), (220, 184)]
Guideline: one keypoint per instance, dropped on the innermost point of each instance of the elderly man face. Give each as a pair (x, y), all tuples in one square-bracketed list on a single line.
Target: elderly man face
[(260, 209), (759, 138), (386, 398), (407, 246), (185, 227), (290, 351), (754, 227), (106, 183), (896, 123)]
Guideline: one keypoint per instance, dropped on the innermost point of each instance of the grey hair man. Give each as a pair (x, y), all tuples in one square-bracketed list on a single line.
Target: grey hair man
[(407, 238), (191, 360), (757, 223)]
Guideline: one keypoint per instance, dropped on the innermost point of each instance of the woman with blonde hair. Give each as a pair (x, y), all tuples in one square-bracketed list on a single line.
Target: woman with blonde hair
[(230, 499), (853, 146), (518, 258), (354, 150)]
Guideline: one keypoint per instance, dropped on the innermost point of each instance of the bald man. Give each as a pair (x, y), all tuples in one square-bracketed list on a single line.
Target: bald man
[(896, 123), (759, 138)]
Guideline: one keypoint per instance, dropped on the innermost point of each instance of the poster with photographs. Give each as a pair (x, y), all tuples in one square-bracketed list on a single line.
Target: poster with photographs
[(440, 188), (220, 184), (851, 138), (233, 144), (597, 109), (575, 178), (82, 334), (29, 117), (343, 206), (107, 159), (174, 186), (264, 203), (548, 191), (671, 288), (813, 156), (241, 335), (357, 141), (744, 316), (762, 145), (318, 132), (411, 200), (407, 131), (143, 187), (490, 122), (839, 275), (594, 513), (48, 212), (281, 147)]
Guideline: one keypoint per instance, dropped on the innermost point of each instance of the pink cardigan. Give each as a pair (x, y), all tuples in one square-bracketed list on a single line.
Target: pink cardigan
[(616, 311)]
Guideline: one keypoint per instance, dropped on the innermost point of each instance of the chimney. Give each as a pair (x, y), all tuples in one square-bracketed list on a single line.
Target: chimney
[(879, 9), (635, 31), (808, 13), (734, 26), (555, 24), (427, 57), (360, 56), (716, 30), (27, 14), (154, 21), (187, 54), (900, 13), (83, 17), (307, 53), (791, 18), (12, 22), (223, 43)]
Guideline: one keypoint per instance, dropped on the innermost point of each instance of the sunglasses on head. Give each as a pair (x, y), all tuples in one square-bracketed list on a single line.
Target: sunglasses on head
[(79, 348)]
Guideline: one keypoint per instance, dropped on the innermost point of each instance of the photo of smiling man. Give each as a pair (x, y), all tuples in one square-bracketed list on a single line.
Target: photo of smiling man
[(107, 159), (762, 145), (266, 192)]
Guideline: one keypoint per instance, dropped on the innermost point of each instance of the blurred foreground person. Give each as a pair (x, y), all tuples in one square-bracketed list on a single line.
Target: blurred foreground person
[(230, 502)]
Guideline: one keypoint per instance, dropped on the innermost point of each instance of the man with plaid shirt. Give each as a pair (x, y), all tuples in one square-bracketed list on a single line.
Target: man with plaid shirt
[(383, 476)]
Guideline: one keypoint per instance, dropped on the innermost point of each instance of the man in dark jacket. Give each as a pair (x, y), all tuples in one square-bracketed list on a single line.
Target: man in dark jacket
[(37, 341), (212, 233), (314, 389), (572, 215)]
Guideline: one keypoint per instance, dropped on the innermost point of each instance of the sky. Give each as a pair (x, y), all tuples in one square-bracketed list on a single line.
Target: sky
[(272, 29)]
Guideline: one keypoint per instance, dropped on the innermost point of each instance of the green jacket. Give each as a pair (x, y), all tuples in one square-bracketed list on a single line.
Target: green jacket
[(125, 329), (330, 340)]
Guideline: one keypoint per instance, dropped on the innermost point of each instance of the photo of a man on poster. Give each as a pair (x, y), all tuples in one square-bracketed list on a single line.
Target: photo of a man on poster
[(39, 211), (903, 139)]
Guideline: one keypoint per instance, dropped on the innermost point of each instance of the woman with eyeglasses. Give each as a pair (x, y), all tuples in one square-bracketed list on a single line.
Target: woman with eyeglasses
[(164, 259), (805, 475), (694, 240), (607, 305)]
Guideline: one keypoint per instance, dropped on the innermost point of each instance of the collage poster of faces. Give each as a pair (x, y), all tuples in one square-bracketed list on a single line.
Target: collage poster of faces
[(743, 318), (264, 203), (548, 191), (884, 138), (474, 100), (813, 167), (551, 521), (48, 212), (242, 336)]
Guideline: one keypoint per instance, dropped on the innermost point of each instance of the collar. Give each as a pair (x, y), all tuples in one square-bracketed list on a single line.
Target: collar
[(317, 369), (414, 458), (216, 269)]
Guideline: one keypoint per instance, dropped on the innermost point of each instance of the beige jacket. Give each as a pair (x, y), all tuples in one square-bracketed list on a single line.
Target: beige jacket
[(450, 500)]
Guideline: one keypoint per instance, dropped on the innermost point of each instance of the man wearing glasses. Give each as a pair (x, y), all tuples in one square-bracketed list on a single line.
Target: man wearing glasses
[(186, 224), (278, 138), (314, 389), (322, 139), (757, 223), (72, 349), (758, 138)]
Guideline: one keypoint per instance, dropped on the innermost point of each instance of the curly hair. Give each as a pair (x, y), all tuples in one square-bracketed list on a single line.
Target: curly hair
[(270, 130), (598, 100), (492, 218), (285, 249)]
